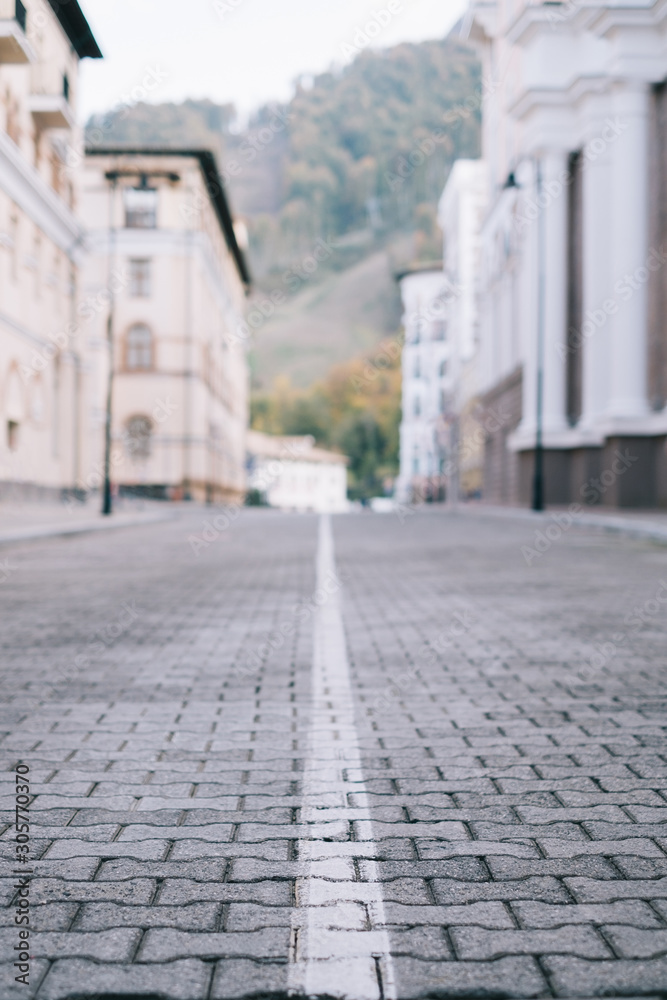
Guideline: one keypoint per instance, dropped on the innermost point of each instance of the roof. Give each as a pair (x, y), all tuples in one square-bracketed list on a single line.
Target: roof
[(76, 27), (291, 449), (214, 185)]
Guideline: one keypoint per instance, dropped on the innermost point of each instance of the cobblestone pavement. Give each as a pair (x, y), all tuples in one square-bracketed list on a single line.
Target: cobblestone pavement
[(470, 802)]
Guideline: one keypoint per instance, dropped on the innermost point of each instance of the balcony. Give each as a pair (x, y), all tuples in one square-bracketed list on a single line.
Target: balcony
[(50, 111), (14, 45)]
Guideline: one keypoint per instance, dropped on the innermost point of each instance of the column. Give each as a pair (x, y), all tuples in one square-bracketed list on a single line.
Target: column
[(629, 251), (596, 326), (545, 250), (554, 200)]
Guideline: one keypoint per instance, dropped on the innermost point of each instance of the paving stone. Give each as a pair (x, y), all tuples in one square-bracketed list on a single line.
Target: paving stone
[(477, 944), (633, 913), (511, 868), (488, 914), (11, 990), (180, 892), (134, 890), (121, 868), (236, 979), (633, 868), (77, 979), (195, 916), (146, 850), (115, 945), (419, 978), (548, 890), (162, 945), (587, 890), (254, 917), (43, 916), (575, 977), (633, 942), (634, 846)]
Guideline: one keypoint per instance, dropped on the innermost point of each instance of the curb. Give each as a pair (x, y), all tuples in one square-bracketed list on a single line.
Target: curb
[(64, 530), (628, 527)]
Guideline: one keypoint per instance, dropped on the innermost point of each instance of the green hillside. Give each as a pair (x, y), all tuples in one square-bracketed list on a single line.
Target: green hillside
[(358, 159)]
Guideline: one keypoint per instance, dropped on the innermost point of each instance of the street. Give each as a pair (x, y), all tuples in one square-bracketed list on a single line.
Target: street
[(374, 757)]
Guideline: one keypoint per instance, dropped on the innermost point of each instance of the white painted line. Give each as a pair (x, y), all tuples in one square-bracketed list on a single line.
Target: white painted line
[(340, 941)]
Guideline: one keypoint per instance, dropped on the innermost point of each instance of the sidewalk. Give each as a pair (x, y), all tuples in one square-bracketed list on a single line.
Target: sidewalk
[(20, 522), (649, 524)]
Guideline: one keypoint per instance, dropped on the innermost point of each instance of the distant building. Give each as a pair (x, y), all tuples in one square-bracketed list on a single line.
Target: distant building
[(291, 473), (461, 214), (161, 236), (427, 385), (42, 369), (573, 264)]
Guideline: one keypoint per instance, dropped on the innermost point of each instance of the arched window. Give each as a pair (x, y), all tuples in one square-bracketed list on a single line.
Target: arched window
[(138, 431), (139, 348)]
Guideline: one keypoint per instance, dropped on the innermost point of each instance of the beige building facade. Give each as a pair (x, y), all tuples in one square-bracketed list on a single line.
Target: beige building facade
[(42, 370), (165, 257)]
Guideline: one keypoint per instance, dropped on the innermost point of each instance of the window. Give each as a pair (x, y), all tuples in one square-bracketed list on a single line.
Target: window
[(417, 408), (12, 435), (20, 15), (443, 369), (439, 330), (66, 86), (140, 278), (138, 431), (140, 208), (418, 367), (139, 348)]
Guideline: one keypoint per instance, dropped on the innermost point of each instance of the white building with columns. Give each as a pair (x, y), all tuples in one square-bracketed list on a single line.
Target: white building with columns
[(427, 385), (573, 278), (461, 214)]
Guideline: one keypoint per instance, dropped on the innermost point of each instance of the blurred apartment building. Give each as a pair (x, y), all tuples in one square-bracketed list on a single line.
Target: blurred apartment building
[(42, 371), (426, 385), (460, 214), (161, 237), (573, 282), (442, 426)]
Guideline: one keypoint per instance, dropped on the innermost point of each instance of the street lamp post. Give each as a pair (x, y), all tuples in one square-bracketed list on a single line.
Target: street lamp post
[(538, 479), (106, 488)]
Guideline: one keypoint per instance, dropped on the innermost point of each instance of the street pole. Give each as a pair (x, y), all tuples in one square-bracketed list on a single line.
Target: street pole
[(538, 480), (106, 489), (189, 371)]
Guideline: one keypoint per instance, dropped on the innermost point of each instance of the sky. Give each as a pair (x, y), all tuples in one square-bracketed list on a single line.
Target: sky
[(245, 52)]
